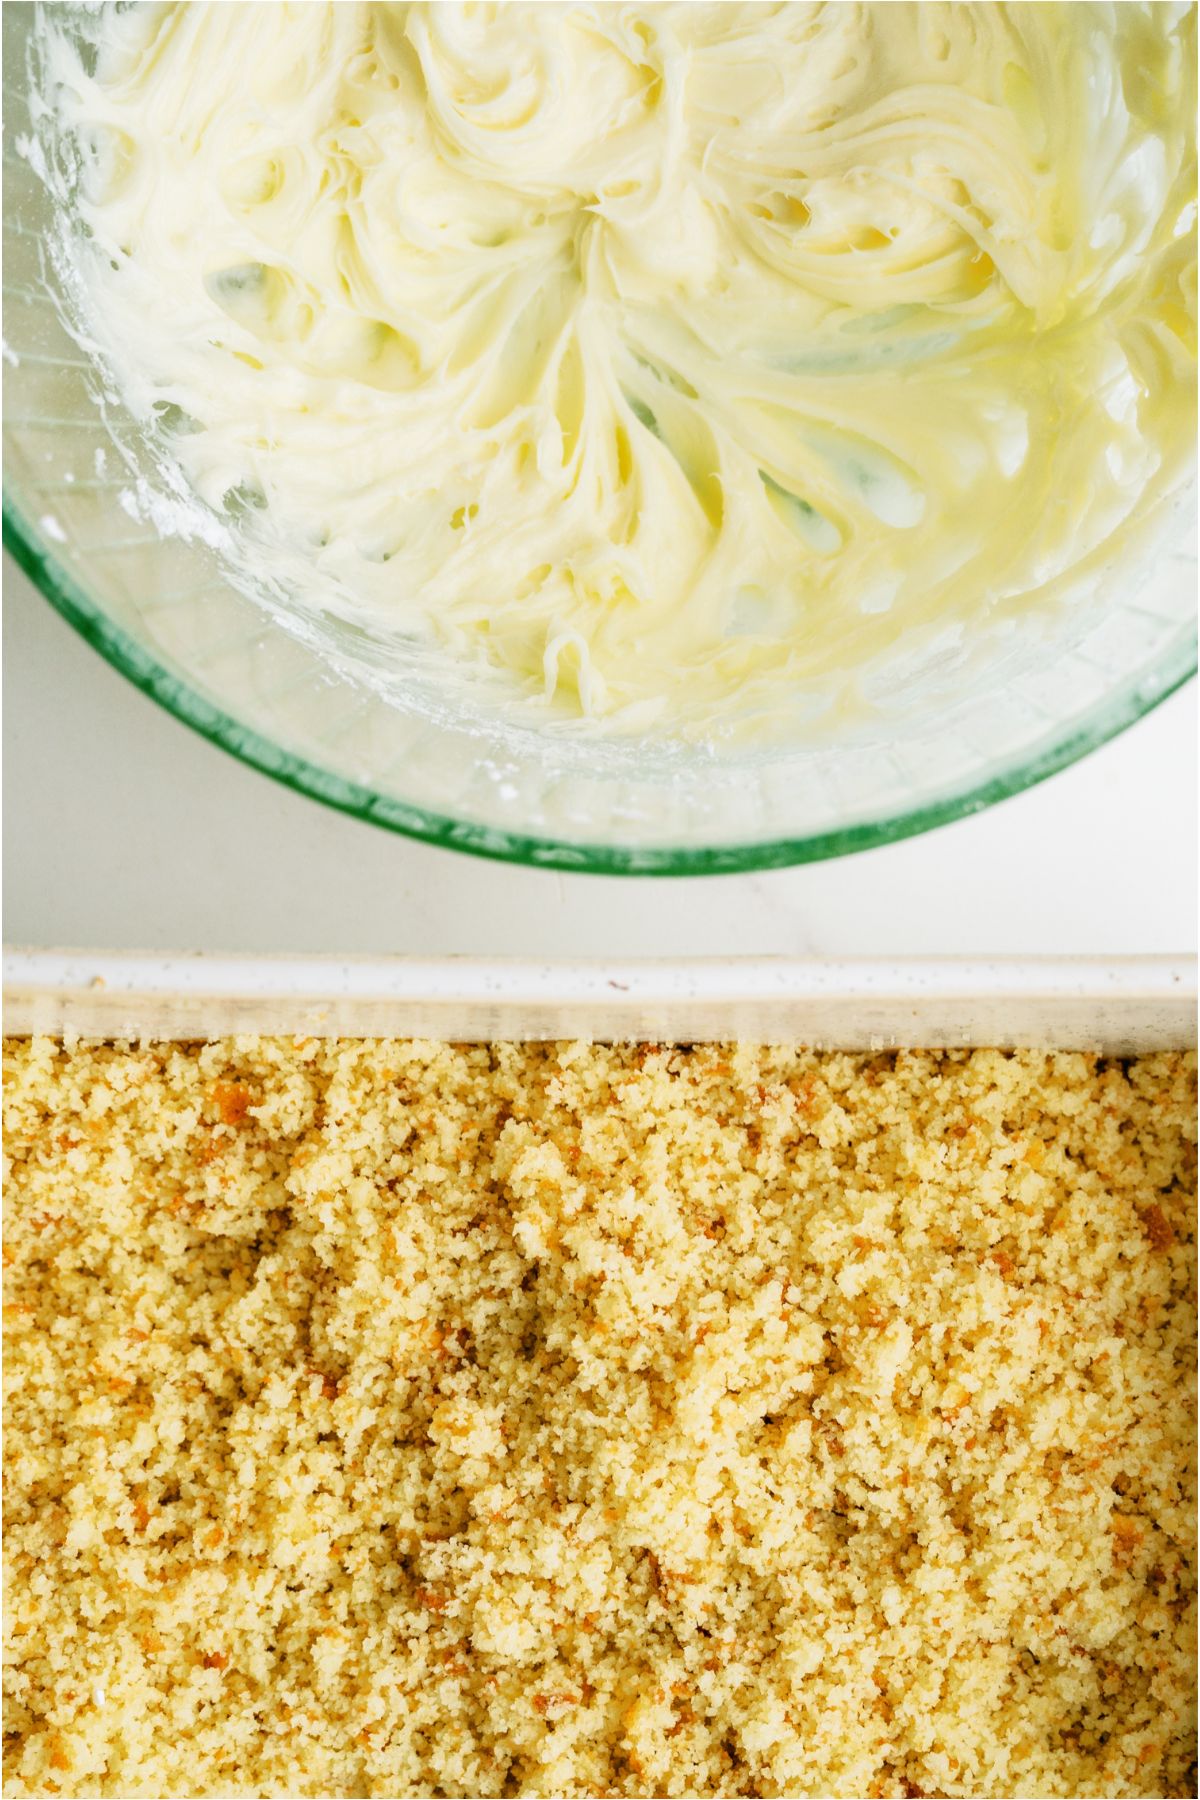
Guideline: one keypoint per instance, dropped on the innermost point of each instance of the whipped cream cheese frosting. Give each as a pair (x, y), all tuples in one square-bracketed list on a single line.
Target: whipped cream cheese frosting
[(675, 361)]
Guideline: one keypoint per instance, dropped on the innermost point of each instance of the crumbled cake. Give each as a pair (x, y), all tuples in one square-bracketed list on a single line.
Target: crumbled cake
[(412, 1418)]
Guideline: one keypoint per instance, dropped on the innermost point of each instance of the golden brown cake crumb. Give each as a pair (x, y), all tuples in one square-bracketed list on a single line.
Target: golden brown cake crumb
[(403, 1418)]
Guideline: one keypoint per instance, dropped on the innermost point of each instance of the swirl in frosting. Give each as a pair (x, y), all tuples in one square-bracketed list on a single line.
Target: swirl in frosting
[(678, 361)]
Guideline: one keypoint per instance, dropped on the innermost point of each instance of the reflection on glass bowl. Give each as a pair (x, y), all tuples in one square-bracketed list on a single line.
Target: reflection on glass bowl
[(354, 717)]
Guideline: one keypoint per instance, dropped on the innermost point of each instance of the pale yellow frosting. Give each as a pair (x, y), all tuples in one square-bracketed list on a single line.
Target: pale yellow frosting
[(677, 360)]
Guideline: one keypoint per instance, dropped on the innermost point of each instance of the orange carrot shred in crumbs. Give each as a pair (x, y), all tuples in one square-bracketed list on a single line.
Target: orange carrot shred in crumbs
[(232, 1101)]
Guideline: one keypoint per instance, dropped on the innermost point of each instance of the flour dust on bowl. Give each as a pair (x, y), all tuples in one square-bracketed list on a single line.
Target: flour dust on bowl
[(658, 440)]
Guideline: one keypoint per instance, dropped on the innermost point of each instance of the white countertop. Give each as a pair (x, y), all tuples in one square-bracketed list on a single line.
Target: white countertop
[(124, 830)]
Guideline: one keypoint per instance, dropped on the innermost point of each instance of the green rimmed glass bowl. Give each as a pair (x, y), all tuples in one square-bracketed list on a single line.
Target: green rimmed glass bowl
[(347, 720)]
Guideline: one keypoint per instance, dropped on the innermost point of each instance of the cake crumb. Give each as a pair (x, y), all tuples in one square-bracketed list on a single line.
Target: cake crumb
[(392, 1417)]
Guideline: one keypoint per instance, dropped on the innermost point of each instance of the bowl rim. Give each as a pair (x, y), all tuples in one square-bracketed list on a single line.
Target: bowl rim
[(70, 599)]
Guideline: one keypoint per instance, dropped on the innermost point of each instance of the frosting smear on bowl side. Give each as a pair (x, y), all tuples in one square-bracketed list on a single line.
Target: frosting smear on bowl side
[(674, 361)]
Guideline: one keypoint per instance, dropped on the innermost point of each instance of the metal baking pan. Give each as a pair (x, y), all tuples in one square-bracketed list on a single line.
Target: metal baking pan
[(1117, 1006)]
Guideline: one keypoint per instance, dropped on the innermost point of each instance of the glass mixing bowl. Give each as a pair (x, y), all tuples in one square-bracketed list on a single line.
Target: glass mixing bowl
[(355, 723)]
